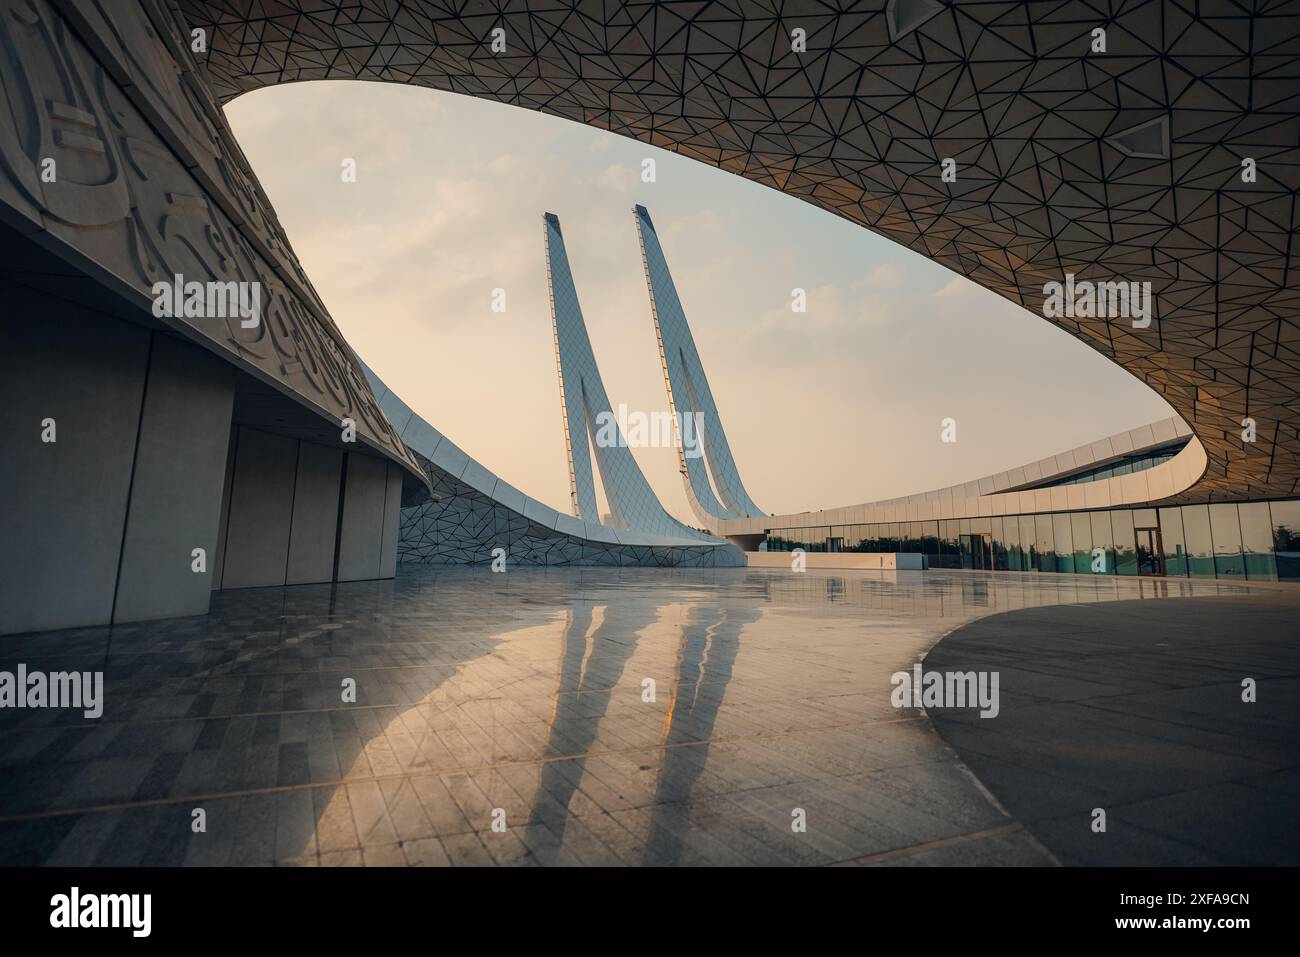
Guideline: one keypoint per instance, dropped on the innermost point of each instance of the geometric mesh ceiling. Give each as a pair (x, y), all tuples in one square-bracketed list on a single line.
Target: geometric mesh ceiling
[(1122, 165)]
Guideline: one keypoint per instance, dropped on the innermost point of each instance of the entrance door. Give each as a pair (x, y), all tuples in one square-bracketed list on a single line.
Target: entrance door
[(1150, 552), (977, 551)]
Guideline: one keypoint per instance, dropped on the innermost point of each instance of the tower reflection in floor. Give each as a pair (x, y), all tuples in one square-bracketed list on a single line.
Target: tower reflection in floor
[(541, 716)]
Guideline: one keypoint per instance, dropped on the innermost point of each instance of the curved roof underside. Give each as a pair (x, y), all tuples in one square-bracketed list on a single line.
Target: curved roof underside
[(1122, 165)]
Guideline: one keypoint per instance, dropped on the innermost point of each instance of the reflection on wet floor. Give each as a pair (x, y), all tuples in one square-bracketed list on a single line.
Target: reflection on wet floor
[(521, 700)]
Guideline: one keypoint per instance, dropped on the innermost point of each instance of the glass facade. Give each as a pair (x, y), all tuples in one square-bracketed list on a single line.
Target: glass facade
[(1171, 534), (1081, 533), (1286, 538), (1225, 535), (1254, 541)]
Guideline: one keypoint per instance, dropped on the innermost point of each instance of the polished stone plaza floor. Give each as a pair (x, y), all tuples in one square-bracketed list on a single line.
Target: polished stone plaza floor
[(560, 717)]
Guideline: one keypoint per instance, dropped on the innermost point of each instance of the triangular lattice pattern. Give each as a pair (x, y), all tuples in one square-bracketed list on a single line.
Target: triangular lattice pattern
[(462, 526), (1118, 165)]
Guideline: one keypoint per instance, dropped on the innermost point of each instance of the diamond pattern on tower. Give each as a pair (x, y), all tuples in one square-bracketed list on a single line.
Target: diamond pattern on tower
[(689, 395), (588, 415)]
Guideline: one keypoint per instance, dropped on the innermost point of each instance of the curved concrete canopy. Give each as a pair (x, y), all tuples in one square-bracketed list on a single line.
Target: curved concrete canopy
[(1120, 165)]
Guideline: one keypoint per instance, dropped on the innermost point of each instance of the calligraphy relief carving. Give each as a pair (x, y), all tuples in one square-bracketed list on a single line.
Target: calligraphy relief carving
[(125, 199), (52, 118)]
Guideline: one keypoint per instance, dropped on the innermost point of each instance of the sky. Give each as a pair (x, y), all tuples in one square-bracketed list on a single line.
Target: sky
[(838, 405)]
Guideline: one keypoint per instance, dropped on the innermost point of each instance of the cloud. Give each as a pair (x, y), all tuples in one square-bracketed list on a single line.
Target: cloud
[(883, 276), (615, 178)]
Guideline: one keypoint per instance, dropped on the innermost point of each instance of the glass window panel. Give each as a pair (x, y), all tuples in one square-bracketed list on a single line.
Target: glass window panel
[(1257, 541), (1028, 546), (1121, 524), (948, 544), (1064, 542), (1144, 518), (1043, 539), (1101, 538), (1286, 538), (1200, 548), (1011, 533), (1171, 538), (1081, 536), (999, 546), (1225, 531), (930, 541)]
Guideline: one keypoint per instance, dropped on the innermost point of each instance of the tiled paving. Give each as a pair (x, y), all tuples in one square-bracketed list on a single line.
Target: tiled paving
[(519, 698), (1136, 708)]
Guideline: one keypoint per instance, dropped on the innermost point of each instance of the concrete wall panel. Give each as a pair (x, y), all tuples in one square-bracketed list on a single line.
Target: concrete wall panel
[(315, 514), (63, 504), (392, 515), (218, 564), (261, 508), (362, 529), (176, 490)]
